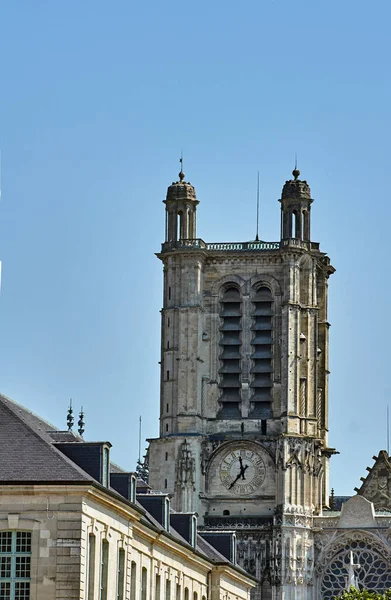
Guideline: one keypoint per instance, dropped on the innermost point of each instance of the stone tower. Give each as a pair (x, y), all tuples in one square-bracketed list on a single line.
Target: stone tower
[(244, 390)]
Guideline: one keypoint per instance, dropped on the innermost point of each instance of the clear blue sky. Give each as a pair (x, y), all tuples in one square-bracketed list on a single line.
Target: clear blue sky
[(97, 99)]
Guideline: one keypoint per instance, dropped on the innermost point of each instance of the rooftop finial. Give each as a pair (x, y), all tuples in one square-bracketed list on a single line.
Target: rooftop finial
[(81, 423), (181, 173), (70, 418), (295, 171)]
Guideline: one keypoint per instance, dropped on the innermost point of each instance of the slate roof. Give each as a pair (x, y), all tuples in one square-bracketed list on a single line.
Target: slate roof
[(338, 501), (210, 551), (28, 456), (27, 453)]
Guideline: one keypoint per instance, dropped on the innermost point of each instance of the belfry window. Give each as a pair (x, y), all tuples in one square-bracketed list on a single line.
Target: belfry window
[(230, 353), (262, 354)]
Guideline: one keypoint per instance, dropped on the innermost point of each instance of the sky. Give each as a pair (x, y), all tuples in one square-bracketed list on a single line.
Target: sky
[(97, 100)]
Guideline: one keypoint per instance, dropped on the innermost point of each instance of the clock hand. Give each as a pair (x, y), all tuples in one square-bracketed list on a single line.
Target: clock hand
[(242, 468), (234, 481), (242, 471)]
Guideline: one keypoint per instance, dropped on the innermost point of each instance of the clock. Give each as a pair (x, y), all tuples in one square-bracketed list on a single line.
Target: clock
[(242, 470)]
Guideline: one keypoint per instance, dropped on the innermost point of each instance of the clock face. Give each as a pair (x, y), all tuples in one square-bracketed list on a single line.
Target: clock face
[(242, 471)]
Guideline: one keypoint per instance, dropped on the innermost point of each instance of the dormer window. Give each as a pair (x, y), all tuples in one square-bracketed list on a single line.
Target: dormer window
[(167, 514), (193, 533), (105, 466)]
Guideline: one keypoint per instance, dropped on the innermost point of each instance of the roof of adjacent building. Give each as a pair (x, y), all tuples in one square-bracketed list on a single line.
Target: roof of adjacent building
[(376, 486), (28, 454)]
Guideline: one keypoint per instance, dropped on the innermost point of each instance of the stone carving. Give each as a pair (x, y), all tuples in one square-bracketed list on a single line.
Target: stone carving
[(374, 574), (296, 188), (185, 478), (351, 540), (294, 451), (238, 522), (376, 486), (253, 554)]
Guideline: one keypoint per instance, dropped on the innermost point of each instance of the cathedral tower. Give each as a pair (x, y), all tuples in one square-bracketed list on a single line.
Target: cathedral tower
[(244, 391)]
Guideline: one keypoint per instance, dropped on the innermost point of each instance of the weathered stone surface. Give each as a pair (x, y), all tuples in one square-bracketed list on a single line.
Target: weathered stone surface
[(357, 512)]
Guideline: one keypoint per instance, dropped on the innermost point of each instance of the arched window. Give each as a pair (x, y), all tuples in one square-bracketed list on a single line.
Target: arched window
[(293, 231), (179, 219), (262, 354), (230, 353)]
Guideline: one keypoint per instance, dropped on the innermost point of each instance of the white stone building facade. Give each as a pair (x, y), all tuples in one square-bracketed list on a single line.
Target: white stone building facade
[(73, 529)]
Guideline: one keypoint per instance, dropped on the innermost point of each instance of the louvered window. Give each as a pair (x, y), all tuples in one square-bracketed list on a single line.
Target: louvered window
[(262, 354), (230, 353)]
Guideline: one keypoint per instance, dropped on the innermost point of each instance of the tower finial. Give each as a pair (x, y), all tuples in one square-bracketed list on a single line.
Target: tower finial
[(295, 171), (81, 423), (70, 418), (181, 173)]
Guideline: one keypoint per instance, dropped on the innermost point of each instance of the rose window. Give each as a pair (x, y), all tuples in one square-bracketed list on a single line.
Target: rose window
[(374, 573)]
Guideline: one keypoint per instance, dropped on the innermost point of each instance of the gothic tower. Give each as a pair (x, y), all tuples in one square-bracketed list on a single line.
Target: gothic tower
[(244, 390)]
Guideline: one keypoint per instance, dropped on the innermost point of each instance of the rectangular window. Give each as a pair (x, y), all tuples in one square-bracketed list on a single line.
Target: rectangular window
[(193, 538), (168, 590), (167, 513), (104, 570), (15, 565), (178, 592), (157, 587), (91, 567), (121, 574), (133, 488)]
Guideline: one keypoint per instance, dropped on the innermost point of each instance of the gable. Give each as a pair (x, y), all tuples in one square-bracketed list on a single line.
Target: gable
[(376, 486)]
